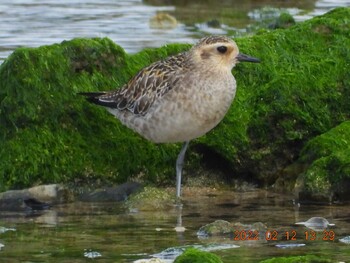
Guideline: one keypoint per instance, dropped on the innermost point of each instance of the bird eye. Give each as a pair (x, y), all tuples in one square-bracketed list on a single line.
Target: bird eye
[(222, 49)]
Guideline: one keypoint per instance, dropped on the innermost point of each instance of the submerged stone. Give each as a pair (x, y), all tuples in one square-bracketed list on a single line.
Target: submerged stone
[(345, 240), (150, 199), (173, 252), (92, 254), (218, 227), (225, 228), (111, 194), (290, 245), (5, 229)]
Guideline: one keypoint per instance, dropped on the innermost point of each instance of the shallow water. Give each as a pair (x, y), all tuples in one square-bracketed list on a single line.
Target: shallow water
[(32, 23), (74, 232)]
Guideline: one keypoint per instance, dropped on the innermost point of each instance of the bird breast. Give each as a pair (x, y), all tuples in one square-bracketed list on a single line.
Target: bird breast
[(189, 111)]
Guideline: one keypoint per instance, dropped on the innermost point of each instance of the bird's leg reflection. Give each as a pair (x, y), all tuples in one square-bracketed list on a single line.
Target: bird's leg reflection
[(179, 228)]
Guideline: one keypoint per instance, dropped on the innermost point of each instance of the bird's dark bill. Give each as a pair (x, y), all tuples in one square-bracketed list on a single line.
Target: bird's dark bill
[(245, 58)]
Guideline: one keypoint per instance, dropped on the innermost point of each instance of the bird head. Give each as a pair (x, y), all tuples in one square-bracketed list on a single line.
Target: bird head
[(219, 52)]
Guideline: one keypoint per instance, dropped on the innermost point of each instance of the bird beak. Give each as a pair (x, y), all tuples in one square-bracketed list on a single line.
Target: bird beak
[(245, 58)]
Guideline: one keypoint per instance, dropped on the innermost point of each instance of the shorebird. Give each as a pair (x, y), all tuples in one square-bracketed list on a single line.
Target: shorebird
[(179, 98)]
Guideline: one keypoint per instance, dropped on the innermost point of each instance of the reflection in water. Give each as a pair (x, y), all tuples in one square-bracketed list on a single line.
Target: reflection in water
[(68, 231), (48, 218)]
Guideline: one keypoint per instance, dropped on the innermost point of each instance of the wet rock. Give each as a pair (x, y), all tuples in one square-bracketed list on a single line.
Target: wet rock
[(173, 252), (290, 245), (218, 227), (12, 204), (151, 199), (225, 228), (180, 229), (13, 200), (5, 229), (194, 255), (316, 223), (215, 23), (163, 21), (112, 194), (92, 254), (35, 204), (345, 240), (258, 226)]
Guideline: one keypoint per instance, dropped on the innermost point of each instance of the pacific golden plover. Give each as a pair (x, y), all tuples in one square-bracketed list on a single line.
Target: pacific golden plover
[(179, 98)]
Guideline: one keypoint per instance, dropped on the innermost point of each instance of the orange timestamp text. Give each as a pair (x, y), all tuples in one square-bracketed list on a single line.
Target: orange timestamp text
[(275, 235)]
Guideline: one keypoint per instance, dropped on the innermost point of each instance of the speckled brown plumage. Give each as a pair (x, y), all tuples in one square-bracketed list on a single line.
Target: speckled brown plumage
[(148, 85)]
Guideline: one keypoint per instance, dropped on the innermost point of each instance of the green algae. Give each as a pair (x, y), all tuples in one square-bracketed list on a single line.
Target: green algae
[(298, 259), (49, 134), (193, 255), (327, 163)]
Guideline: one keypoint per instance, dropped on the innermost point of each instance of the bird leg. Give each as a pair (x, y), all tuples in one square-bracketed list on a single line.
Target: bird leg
[(179, 165)]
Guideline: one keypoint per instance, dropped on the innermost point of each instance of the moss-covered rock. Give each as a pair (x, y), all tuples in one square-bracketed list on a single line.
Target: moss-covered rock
[(298, 259), (151, 199), (298, 91), (284, 20), (327, 165), (49, 134), (193, 255), (225, 228)]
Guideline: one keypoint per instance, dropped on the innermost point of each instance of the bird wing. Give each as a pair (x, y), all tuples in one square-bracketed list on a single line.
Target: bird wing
[(148, 85)]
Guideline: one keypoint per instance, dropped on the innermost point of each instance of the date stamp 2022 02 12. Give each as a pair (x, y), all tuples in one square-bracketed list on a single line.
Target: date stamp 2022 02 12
[(275, 235)]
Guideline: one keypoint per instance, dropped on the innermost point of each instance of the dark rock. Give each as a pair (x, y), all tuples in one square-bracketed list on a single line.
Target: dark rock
[(14, 200), (35, 204), (111, 194)]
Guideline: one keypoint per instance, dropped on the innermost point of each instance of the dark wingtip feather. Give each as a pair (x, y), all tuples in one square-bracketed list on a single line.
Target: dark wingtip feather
[(91, 94), (94, 97)]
